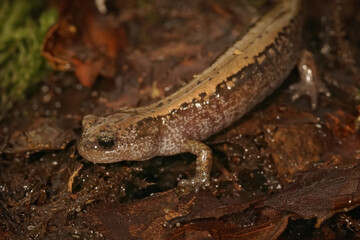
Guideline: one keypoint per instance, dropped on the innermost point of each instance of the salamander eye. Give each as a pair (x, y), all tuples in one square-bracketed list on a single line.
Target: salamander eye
[(106, 142)]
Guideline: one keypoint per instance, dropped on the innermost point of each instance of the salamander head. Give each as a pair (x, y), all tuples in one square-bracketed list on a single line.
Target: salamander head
[(118, 137)]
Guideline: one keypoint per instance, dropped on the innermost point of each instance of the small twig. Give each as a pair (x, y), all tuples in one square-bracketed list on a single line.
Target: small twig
[(78, 167), (228, 176)]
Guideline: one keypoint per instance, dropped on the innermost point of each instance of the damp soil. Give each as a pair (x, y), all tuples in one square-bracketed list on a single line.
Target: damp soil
[(284, 171)]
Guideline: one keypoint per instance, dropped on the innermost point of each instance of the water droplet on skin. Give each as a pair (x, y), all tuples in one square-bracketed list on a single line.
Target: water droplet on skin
[(57, 104), (94, 93), (79, 86), (46, 98), (31, 227), (35, 107), (45, 89)]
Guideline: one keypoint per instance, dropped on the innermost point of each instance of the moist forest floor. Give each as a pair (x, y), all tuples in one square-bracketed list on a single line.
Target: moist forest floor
[(282, 172)]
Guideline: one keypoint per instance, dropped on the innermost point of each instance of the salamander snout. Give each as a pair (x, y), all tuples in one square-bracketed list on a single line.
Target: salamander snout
[(117, 138)]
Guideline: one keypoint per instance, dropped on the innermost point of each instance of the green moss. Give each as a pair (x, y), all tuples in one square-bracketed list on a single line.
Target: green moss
[(21, 34)]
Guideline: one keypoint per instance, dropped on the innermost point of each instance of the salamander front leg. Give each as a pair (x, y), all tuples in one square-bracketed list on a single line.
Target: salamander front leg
[(203, 164)]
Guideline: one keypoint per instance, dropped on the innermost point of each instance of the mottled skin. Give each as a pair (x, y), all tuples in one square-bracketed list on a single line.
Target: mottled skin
[(238, 80)]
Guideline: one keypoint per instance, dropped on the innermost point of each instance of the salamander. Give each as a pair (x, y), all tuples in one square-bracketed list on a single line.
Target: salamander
[(238, 80)]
